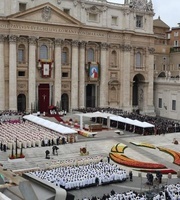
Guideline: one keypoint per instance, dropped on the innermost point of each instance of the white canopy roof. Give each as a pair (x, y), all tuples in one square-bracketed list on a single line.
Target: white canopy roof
[(96, 114), (118, 118), (50, 125)]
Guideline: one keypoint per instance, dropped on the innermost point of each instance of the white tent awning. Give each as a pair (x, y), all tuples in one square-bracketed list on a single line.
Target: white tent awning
[(50, 125)]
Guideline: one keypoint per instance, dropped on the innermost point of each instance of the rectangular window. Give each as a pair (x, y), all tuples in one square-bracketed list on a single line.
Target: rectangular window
[(139, 21), (175, 34), (21, 73), (67, 11), (93, 17), (175, 43), (22, 7), (114, 20), (160, 103), (65, 74), (64, 58), (173, 104)]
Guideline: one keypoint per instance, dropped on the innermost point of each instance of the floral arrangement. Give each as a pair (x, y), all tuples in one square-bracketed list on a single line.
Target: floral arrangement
[(120, 147), (124, 160), (175, 154), (16, 156), (144, 144), (83, 151), (163, 171)]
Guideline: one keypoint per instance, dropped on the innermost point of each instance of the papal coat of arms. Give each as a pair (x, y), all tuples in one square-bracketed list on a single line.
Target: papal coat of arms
[(46, 13)]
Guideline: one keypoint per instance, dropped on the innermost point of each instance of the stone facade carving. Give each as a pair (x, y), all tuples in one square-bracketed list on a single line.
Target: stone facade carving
[(141, 5), (12, 38), (94, 10), (2, 38), (126, 47), (83, 44), (151, 50), (46, 13), (75, 3), (58, 42), (59, 1), (104, 46), (75, 43), (32, 40)]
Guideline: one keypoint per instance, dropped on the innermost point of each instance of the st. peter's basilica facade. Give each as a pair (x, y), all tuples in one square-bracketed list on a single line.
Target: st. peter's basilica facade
[(76, 54)]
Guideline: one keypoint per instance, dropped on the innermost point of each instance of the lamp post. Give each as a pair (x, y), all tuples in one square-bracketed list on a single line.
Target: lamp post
[(16, 147)]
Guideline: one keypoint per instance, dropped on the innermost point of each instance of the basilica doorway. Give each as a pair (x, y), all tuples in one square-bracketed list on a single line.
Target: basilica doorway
[(21, 101), (43, 97), (91, 95), (138, 92), (65, 102)]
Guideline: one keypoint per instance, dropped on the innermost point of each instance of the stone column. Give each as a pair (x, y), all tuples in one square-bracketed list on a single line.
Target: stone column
[(74, 75), (82, 75), (150, 88), (58, 75), (32, 73), (126, 77), (103, 76), (2, 83), (12, 73)]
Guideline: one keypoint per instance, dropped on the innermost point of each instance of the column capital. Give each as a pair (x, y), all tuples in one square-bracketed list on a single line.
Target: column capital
[(58, 42), (32, 40), (151, 50), (104, 46), (75, 43), (126, 47), (83, 44), (12, 38), (2, 38)]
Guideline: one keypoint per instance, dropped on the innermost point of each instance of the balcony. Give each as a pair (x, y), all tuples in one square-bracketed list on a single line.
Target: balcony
[(174, 49)]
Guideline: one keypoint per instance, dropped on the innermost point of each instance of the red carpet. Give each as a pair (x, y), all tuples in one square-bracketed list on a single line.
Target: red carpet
[(58, 118)]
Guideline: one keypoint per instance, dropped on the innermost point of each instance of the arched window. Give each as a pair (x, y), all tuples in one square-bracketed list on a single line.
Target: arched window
[(65, 56), (114, 59), (138, 60), (21, 53), (43, 52), (90, 55)]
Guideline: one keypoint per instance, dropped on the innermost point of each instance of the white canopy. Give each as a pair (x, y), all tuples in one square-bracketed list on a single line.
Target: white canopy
[(96, 114), (132, 122), (117, 118), (50, 125)]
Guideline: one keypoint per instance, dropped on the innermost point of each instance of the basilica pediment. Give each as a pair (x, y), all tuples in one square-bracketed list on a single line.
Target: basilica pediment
[(45, 13)]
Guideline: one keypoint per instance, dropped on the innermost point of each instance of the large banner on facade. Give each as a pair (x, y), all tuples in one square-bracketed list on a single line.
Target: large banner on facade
[(46, 70), (94, 71)]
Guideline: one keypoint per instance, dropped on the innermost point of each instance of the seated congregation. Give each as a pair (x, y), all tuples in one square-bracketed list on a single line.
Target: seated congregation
[(75, 177), (28, 135)]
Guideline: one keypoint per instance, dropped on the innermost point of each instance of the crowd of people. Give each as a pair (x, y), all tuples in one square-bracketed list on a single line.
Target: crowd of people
[(168, 192), (80, 176), (162, 125)]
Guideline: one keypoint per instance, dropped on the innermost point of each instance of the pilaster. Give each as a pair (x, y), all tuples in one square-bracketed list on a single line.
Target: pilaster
[(103, 76), (32, 72), (57, 78), (2, 83), (12, 73), (126, 89), (74, 75), (82, 75)]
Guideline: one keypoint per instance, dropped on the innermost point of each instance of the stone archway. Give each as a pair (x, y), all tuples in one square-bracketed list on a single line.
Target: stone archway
[(138, 92), (65, 102), (21, 102), (91, 95)]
